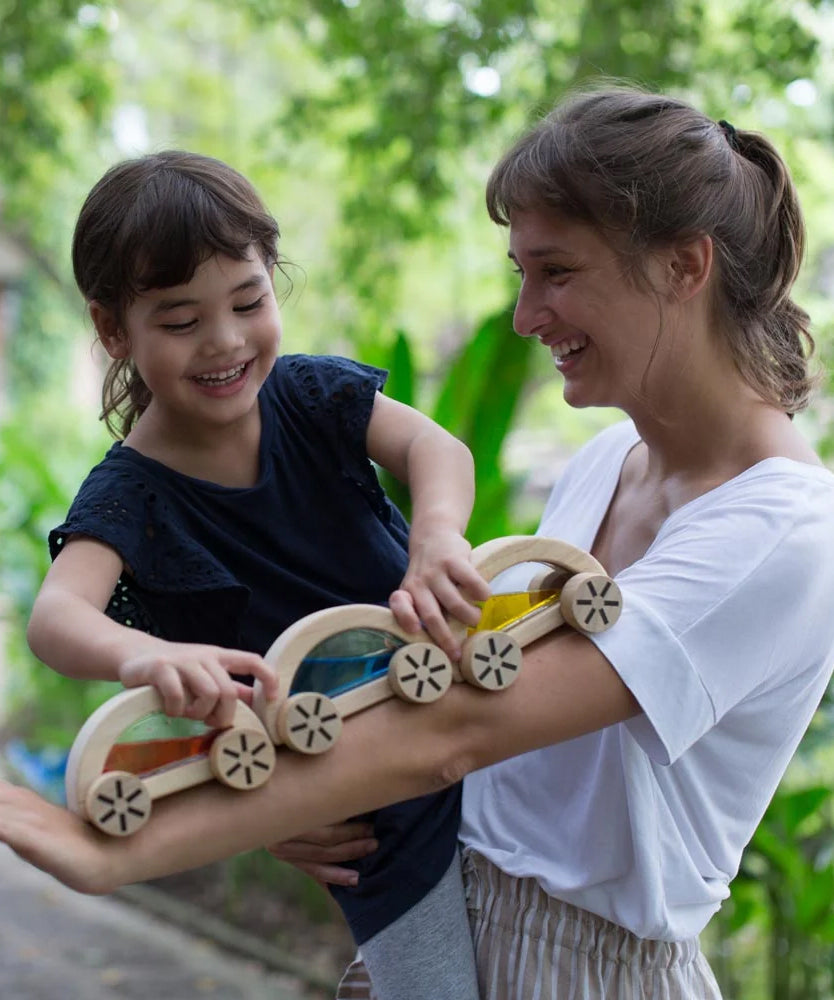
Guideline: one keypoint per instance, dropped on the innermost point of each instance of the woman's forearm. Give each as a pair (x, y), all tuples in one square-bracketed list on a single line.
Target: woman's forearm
[(386, 754)]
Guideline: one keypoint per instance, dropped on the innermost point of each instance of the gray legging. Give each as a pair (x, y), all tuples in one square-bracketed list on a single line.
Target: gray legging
[(427, 952)]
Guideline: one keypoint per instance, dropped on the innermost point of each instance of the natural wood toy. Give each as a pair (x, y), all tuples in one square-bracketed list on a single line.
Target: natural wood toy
[(115, 770), (340, 661), (330, 665)]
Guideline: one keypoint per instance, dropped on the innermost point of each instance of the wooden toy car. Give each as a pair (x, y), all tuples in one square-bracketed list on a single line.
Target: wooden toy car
[(129, 753), (330, 665), (342, 660)]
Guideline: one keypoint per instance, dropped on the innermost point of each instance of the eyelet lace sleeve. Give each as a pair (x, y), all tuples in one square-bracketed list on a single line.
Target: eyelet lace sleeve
[(171, 586), (337, 394)]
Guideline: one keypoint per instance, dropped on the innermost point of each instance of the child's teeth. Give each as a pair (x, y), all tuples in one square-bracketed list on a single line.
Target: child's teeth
[(222, 376)]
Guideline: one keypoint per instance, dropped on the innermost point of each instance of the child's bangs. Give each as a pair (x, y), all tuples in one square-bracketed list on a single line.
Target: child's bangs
[(174, 238)]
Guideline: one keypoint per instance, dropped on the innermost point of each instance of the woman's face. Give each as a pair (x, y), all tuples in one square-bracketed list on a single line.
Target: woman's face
[(601, 327)]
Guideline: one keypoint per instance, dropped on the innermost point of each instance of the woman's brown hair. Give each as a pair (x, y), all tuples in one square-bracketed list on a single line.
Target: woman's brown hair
[(149, 223), (651, 171)]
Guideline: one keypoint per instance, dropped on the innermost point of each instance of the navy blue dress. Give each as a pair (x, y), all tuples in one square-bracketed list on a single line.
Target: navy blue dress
[(236, 566)]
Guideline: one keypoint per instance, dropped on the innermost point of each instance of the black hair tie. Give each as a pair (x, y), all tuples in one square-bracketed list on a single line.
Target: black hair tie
[(730, 133)]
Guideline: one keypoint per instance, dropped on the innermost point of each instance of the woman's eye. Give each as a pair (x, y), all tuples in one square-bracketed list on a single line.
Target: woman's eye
[(251, 306), (518, 271)]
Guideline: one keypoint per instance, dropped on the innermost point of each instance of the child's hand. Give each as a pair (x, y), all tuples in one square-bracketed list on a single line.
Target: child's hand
[(440, 581), (193, 680)]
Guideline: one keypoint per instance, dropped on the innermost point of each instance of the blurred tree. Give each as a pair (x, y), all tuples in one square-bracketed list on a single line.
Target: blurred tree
[(420, 96), (55, 90)]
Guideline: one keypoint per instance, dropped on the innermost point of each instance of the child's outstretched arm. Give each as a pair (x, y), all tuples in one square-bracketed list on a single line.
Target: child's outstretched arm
[(439, 472), (69, 631)]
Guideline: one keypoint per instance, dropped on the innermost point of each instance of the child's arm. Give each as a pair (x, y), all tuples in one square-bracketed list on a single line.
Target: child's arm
[(69, 631), (439, 472)]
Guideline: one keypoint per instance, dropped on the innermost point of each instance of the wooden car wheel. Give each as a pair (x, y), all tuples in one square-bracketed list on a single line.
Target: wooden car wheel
[(490, 660), (242, 758), (118, 803), (420, 672), (591, 602), (309, 722)]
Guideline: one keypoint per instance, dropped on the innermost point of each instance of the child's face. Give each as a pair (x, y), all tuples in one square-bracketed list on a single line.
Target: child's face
[(205, 348)]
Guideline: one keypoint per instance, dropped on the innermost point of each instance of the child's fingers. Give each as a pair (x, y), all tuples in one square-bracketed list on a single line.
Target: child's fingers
[(401, 604), (470, 581), (238, 662), (213, 693), (435, 623), (169, 685)]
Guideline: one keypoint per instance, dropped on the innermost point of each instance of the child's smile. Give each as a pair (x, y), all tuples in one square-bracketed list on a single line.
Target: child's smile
[(205, 348)]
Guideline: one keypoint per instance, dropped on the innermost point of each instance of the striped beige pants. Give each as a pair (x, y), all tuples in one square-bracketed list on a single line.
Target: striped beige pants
[(529, 946)]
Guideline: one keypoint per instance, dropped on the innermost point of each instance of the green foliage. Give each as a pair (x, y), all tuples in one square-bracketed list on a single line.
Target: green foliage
[(476, 401), (785, 888), (42, 456)]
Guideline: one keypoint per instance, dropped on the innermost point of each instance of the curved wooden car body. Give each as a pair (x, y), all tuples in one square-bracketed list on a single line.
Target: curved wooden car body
[(490, 659), (118, 799), (572, 588)]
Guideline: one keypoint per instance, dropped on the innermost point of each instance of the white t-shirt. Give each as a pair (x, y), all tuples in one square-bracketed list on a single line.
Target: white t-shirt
[(726, 639)]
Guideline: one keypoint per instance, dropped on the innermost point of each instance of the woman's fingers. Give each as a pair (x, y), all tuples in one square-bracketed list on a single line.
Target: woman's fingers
[(319, 853), (300, 852), (329, 874), (54, 840)]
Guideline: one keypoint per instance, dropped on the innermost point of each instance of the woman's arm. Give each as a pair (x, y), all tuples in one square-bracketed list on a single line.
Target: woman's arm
[(388, 753), (439, 472), (69, 631)]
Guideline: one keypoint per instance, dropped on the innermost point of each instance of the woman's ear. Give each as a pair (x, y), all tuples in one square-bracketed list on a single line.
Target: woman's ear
[(690, 267), (112, 337)]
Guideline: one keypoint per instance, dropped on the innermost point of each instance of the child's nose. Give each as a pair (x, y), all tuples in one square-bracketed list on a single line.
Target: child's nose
[(224, 336)]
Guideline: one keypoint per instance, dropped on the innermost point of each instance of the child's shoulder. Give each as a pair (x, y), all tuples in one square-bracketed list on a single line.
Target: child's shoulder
[(323, 379)]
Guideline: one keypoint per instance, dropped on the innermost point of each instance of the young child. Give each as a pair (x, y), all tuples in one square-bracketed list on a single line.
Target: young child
[(241, 498)]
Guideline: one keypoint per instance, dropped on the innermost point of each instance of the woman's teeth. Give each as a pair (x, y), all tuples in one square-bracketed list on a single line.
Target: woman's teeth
[(564, 347)]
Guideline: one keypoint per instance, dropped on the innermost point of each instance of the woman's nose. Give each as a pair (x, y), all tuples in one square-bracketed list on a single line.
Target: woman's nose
[(528, 313)]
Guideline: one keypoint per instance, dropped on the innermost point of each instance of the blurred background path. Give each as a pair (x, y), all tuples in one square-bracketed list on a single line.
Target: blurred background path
[(58, 945)]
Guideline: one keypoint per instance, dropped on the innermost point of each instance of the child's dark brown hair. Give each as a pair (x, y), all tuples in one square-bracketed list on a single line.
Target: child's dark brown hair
[(149, 223)]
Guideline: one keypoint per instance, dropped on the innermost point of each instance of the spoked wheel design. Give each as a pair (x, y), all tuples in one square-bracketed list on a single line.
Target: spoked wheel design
[(420, 672), (118, 803), (490, 660), (309, 722), (242, 758), (591, 602)]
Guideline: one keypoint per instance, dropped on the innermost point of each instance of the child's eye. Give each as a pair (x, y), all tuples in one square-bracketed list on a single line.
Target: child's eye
[(251, 306), (518, 271), (178, 327)]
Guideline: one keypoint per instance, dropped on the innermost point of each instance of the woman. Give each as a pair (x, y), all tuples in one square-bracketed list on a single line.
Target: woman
[(657, 251)]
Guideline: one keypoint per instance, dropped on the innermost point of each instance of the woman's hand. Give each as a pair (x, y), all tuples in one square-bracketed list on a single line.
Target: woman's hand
[(193, 680), (319, 852), (56, 841), (440, 581)]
